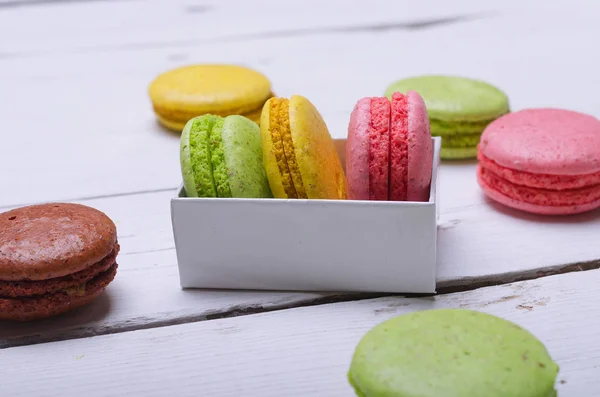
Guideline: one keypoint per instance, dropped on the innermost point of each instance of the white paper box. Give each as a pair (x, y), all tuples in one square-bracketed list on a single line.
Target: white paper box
[(307, 245)]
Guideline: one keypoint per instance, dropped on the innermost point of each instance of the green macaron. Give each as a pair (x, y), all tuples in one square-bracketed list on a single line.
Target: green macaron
[(222, 157), (451, 353), (459, 109)]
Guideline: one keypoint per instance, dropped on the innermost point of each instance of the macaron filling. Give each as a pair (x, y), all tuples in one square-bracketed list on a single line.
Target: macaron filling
[(457, 127), (398, 187), (465, 141), (539, 196), (200, 156), (379, 149), (178, 116), (388, 148), (75, 281), (30, 307), (217, 157), (281, 135), (544, 181)]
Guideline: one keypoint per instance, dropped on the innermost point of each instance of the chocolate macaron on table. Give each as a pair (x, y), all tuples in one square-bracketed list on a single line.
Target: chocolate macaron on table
[(54, 258)]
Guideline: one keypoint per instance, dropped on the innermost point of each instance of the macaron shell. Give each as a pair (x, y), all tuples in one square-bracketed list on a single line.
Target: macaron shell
[(357, 151), (44, 241), (546, 141), (208, 88), (538, 201), (318, 161), (420, 149), (451, 353), (454, 98), (244, 158)]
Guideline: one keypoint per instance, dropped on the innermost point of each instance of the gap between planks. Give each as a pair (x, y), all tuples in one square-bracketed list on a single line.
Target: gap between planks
[(300, 352), (8, 207), (408, 26), (237, 311)]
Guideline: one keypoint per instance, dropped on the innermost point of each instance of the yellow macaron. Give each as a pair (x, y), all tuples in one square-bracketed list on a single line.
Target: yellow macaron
[(186, 92), (298, 152)]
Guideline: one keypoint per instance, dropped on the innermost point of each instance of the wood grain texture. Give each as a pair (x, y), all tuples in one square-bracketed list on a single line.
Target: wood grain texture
[(299, 352)]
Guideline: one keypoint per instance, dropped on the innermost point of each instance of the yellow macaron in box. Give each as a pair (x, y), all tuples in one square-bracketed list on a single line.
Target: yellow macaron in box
[(181, 94), (300, 157)]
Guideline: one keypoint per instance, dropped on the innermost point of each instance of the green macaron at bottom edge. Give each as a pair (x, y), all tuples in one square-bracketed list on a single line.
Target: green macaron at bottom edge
[(357, 391), (195, 155), (454, 353)]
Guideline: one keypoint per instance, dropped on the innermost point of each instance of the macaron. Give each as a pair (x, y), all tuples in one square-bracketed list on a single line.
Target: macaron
[(299, 154), (544, 161), (389, 150), (451, 353), (459, 109), (180, 94), (54, 258), (222, 157)]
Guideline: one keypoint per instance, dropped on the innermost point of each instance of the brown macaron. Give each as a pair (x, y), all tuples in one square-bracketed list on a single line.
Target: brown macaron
[(54, 258)]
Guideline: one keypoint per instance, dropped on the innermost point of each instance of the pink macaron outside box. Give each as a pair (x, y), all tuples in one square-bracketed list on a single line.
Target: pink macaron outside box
[(356, 245)]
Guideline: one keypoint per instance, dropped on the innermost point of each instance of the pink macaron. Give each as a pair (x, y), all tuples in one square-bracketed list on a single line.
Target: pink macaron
[(389, 149), (543, 161)]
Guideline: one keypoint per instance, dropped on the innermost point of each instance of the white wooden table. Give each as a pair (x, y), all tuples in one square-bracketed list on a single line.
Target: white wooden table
[(77, 126)]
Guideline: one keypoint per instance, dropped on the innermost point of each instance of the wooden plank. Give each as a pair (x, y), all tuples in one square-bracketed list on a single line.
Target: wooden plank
[(92, 26), (477, 244), (299, 352), (94, 112), (98, 25)]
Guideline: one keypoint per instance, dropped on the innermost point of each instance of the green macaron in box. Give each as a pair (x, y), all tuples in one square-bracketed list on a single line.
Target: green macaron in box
[(451, 353), (222, 157), (459, 109)]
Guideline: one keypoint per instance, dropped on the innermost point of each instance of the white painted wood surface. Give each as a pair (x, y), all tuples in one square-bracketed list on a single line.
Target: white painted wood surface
[(77, 122), (298, 352), (79, 72)]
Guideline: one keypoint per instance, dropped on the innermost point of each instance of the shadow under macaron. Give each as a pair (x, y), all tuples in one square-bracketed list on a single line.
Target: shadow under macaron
[(584, 217), (78, 323)]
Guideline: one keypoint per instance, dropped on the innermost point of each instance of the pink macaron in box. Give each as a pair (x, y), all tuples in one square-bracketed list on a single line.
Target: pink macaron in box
[(389, 149)]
